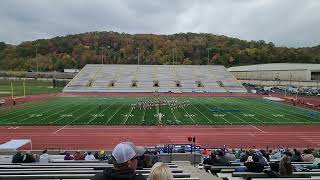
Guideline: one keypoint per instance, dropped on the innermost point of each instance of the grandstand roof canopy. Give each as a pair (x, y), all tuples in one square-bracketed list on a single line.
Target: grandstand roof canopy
[(277, 67)]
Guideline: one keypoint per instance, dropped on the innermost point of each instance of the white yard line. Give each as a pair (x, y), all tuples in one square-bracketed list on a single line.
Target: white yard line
[(189, 115), (226, 100), (128, 115), (212, 114), (49, 109), (27, 105), (72, 111), (248, 108), (66, 110), (231, 113), (281, 112), (100, 113), (27, 112), (82, 115), (209, 120), (109, 119)]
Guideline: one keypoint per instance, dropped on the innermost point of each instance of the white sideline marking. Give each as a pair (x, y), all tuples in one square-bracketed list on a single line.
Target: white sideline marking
[(258, 129)]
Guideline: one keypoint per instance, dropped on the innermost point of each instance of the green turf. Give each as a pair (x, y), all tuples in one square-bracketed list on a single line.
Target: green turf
[(32, 87), (119, 110)]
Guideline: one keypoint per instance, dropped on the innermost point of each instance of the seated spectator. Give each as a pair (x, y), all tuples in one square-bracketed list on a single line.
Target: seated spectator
[(253, 164), (160, 171), (285, 167), (316, 154), (44, 157), (296, 156), (230, 155), (102, 155), (17, 158), (124, 157), (68, 156), (222, 159), (28, 158), (211, 160), (244, 155), (265, 154), (307, 156), (78, 156), (89, 157), (96, 155), (147, 161), (262, 159), (276, 155)]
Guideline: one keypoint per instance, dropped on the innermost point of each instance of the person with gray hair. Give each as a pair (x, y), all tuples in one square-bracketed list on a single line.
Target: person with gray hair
[(125, 159)]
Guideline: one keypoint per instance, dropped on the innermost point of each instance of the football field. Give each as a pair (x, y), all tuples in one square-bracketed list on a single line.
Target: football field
[(156, 111)]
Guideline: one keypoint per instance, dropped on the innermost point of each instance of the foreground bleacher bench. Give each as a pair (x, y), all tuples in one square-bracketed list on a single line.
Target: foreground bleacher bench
[(249, 175), (311, 178), (178, 176), (63, 171)]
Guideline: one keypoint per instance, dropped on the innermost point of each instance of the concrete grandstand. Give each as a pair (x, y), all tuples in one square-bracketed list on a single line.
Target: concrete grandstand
[(154, 78)]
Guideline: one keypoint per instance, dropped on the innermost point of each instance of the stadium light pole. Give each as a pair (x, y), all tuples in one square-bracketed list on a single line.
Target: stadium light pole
[(138, 55), (173, 56), (208, 51), (37, 57), (102, 56)]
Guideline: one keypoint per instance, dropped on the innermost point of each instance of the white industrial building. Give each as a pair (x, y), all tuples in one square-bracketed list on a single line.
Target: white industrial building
[(278, 72)]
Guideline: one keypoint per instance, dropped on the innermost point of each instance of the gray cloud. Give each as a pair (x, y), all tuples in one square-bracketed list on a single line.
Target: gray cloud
[(292, 23)]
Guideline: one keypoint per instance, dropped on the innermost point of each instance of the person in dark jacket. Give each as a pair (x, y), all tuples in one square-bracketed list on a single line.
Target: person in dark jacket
[(28, 158), (125, 159), (253, 164), (17, 158)]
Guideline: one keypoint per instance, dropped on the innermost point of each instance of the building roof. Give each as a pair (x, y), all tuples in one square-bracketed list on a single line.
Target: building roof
[(277, 67)]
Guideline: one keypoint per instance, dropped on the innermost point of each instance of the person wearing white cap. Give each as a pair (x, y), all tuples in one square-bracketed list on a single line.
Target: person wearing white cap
[(125, 159)]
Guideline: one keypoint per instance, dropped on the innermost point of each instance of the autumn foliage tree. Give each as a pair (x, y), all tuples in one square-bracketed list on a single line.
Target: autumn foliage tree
[(75, 51)]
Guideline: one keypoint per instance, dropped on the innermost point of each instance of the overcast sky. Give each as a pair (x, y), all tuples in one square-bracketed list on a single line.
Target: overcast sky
[(292, 23)]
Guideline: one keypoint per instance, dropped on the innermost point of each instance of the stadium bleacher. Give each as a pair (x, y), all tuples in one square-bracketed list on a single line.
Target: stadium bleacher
[(154, 78)]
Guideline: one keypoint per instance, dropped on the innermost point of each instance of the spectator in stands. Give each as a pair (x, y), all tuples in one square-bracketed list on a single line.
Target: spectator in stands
[(230, 155), (160, 171), (125, 163), (307, 155), (78, 156), (276, 154), (102, 155), (265, 154), (44, 157), (89, 157), (28, 158), (262, 159), (296, 157), (68, 156), (316, 154), (17, 158), (155, 157), (212, 159), (285, 167), (147, 161), (244, 155), (253, 164), (96, 155), (222, 159)]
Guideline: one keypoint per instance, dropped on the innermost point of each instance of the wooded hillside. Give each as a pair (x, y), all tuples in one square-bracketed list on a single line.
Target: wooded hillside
[(74, 51)]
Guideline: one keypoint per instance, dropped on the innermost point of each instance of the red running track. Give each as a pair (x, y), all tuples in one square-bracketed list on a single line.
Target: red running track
[(106, 137)]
